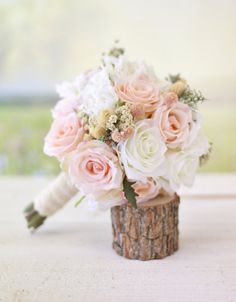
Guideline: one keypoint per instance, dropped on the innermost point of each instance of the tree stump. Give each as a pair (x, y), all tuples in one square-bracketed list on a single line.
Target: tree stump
[(147, 232)]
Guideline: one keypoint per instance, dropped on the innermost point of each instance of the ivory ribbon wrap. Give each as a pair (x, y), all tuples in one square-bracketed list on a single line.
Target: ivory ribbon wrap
[(55, 196)]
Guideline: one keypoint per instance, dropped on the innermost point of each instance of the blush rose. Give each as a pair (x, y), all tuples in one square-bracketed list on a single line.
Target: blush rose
[(65, 134), (64, 107), (146, 190), (174, 120), (94, 167), (140, 91)]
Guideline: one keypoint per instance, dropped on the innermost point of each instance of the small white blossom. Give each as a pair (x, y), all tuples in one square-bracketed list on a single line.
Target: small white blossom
[(98, 94), (121, 68), (68, 90), (72, 90)]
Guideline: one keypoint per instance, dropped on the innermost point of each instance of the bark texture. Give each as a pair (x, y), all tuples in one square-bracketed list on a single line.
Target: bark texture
[(147, 232)]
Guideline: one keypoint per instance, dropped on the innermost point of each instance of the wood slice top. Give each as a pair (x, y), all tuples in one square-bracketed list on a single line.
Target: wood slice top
[(159, 200)]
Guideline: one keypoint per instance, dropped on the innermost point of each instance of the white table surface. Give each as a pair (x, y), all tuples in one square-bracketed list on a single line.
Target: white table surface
[(70, 258)]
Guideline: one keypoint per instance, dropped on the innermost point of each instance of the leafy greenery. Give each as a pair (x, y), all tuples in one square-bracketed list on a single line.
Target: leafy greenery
[(173, 78), (33, 218), (192, 97), (80, 200), (129, 192), (189, 96), (116, 52)]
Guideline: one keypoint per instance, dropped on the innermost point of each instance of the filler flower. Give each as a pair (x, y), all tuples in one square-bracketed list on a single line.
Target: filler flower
[(142, 154), (94, 167), (65, 134)]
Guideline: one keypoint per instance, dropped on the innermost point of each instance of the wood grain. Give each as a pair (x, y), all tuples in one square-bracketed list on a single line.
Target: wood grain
[(147, 232)]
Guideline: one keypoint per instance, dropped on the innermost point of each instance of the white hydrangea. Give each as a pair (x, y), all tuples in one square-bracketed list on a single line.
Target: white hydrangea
[(121, 68), (97, 94), (68, 90), (71, 90)]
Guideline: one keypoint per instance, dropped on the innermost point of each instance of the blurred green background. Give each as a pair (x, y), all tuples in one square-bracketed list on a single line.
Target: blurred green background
[(46, 42)]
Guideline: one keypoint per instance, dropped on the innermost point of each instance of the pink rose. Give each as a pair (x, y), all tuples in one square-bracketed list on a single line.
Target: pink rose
[(64, 107), (65, 134), (94, 167), (140, 91), (174, 120), (146, 190)]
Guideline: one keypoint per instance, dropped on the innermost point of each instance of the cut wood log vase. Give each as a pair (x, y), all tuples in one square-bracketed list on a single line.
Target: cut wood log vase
[(147, 232)]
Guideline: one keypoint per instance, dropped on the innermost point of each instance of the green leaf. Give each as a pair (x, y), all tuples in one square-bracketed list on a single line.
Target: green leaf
[(173, 78), (116, 52), (80, 200), (129, 192)]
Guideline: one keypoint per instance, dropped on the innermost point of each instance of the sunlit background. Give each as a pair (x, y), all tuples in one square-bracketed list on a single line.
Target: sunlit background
[(45, 42)]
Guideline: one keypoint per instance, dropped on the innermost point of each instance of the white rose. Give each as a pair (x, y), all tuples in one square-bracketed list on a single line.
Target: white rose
[(182, 167), (197, 142), (165, 185), (199, 146), (194, 129), (97, 94), (142, 154)]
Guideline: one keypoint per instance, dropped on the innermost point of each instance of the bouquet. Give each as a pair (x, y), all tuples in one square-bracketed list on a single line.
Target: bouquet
[(122, 136)]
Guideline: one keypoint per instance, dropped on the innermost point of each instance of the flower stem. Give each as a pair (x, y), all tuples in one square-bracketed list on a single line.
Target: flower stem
[(33, 218)]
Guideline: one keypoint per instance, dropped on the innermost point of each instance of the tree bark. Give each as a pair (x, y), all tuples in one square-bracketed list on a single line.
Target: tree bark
[(147, 232)]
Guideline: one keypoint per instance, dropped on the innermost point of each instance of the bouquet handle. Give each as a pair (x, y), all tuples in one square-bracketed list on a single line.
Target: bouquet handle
[(49, 201)]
